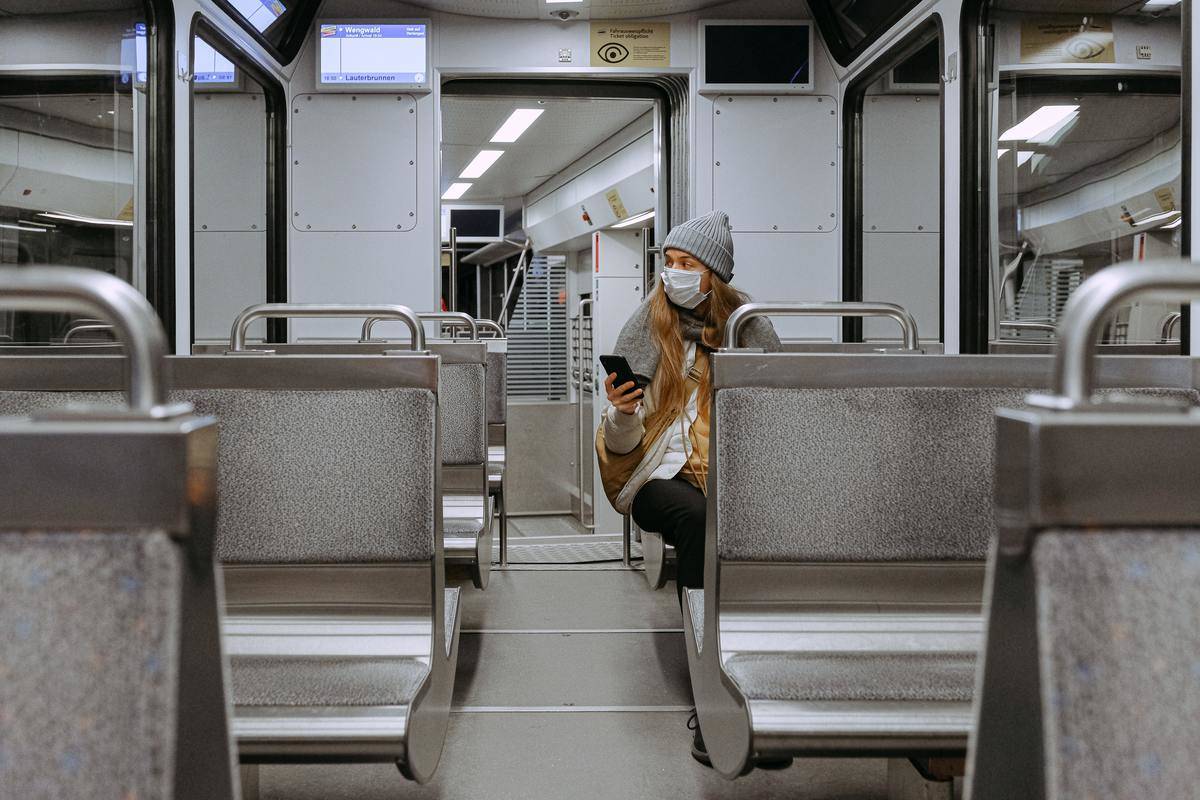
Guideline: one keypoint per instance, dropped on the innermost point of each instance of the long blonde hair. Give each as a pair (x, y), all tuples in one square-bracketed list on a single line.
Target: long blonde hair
[(669, 380)]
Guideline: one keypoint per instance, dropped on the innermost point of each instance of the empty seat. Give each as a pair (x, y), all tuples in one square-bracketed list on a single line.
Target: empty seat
[(111, 662), (845, 600)]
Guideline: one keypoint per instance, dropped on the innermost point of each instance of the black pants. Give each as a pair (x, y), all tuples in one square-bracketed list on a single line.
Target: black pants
[(676, 510)]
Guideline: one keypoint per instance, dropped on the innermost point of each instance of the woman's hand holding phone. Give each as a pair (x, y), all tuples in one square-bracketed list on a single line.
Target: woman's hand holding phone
[(625, 397)]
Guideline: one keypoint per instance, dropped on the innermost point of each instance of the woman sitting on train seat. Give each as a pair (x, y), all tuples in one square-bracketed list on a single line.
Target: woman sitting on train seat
[(667, 340)]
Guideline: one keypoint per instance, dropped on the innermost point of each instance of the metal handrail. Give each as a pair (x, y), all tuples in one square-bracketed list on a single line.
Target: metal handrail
[(89, 327), (452, 301), (1169, 326), (584, 303), (522, 264), (1085, 314), (457, 316), (1028, 325), (483, 325), (112, 300), (237, 337), (749, 311)]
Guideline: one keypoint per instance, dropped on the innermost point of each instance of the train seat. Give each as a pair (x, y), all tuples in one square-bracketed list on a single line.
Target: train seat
[(844, 616), (112, 668), (497, 432)]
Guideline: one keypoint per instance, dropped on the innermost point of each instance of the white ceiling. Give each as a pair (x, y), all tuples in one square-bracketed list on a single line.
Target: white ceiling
[(593, 9), (569, 129)]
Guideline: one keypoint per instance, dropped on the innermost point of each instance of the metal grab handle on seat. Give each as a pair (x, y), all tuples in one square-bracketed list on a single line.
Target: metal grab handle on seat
[(488, 325), (97, 294), (457, 316), (237, 338), (744, 314), (1170, 325), (1027, 325), (90, 327), (1084, 316)]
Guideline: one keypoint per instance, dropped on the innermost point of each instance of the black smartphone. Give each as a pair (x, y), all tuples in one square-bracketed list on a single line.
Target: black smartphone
[(621, 367)]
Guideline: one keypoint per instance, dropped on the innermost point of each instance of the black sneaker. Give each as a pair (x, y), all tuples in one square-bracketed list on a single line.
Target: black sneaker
[(698, 750)]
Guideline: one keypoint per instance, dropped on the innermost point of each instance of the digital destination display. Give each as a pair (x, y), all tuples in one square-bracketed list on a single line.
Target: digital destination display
[(260, 13), (210, 67), (133, 54), (371, 53)]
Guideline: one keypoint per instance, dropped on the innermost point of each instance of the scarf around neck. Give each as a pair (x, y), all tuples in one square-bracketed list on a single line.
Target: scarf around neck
[(636, 340)]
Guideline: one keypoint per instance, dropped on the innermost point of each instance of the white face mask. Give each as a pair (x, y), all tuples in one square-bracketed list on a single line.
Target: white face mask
[(683, 287)]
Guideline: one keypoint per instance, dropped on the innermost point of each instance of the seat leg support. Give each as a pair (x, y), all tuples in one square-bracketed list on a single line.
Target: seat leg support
[(503, 529), (904, 782), (249, 774)]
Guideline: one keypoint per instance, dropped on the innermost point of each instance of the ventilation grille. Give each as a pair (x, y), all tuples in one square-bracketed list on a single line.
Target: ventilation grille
[(537, 333)]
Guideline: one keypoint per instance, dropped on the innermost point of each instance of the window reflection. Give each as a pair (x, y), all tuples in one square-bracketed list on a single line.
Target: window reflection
[(1088, 175)]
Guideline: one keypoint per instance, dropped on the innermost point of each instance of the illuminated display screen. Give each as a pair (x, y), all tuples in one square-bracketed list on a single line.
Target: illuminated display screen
[(210, 67), (259, 13), (369, 53), (133, 54)]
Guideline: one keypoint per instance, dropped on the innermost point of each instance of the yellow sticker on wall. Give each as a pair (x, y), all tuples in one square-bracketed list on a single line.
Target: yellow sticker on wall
[(622, 43), (1076, 39), (614, 202), (1166, 198)]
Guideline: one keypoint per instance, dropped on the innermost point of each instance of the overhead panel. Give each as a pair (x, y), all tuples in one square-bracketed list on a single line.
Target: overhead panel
[(371, 183), (775, 162)]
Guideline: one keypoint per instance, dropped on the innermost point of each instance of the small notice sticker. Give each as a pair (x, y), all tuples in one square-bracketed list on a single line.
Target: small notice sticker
[(1144, 53), (614, 202), (1067, 40), (1165, 198), (631, 44)]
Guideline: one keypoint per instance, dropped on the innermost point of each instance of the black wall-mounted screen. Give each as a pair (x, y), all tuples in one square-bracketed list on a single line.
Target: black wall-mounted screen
[(749, 55), (474, 223)]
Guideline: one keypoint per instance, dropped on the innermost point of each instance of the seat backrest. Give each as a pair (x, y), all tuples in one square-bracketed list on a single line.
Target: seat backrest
[(462, 402), (112, 674), (497, 385), (827, 458)]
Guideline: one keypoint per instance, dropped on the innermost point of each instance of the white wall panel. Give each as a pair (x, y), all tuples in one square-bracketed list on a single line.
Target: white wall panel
[(902, 177), (902, 268), (230, 274), (775, 162), (370, 182), (790, 266), (230, 176)]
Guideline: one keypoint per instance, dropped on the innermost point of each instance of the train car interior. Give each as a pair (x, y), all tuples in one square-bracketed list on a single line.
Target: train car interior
[(598, 399)]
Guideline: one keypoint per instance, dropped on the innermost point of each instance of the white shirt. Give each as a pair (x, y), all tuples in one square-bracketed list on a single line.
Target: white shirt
[(679, 442)]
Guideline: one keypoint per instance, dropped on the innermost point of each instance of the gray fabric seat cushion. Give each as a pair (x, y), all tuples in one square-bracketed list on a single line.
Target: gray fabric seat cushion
[(873, 474), (695, 605), (89, 637), (343, 681), (1120, 662), (461, 404), (855, 676), (452, 595), (497, 388), (469, 527)]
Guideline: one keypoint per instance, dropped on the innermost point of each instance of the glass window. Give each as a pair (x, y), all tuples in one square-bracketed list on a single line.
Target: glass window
[(850, 26), (896, 252), (280, 25), (73, 151), (1086, 165), (231, 216)]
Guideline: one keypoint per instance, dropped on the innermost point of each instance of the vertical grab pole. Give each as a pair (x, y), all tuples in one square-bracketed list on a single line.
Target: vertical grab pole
[(626, 541), (452, 300), (649, 251), (585, 303)]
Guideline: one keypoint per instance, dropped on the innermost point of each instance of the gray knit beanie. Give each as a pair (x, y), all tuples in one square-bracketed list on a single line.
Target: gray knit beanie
[(707, 238)]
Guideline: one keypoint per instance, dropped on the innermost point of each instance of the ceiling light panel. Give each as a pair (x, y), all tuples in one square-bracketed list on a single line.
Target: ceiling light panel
[(517, 123), (456, 191), (481, 163), (1046, 119), (634, 220)]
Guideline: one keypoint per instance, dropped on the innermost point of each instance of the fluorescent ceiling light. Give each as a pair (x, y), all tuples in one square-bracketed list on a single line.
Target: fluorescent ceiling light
[(1174, 224), (481, 163), (560, 2), (6, 226), (1152, 5), (456, 191), (1055, 132), (634, 220), (1000, 153), (1156, 218), (1023, 156), (1040, 121), (517, 123), (82, 220)]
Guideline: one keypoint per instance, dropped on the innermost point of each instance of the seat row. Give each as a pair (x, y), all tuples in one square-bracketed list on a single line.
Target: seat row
[(316, 481), (909, 557)]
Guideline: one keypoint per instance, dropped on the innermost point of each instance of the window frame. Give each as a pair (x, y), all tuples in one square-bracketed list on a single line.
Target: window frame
[(275, 100), (295, 29), (852, 172), (842, 51)]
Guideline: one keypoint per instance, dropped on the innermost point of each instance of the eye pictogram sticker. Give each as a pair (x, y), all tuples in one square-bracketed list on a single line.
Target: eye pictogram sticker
[(631, 44), (1057, 39)]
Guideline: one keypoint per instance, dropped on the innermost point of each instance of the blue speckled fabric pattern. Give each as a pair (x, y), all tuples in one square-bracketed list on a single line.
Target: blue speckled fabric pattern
[(855, 676), (89, 641), (497, 388), (309, 477), (1120, 662), (463, 414)]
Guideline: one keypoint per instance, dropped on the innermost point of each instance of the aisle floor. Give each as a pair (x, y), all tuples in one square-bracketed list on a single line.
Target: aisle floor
[(572, 683)]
